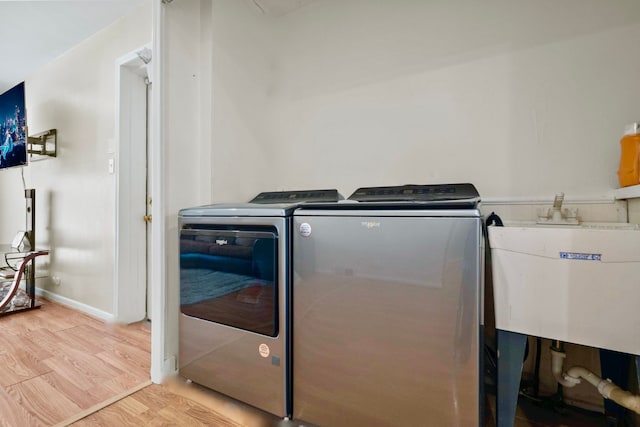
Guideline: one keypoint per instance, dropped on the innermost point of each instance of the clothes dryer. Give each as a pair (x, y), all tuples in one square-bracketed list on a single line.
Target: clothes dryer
[(235, 297)]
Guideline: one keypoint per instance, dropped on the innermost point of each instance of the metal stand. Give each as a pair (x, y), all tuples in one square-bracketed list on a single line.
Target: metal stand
[(26, 265), (511, 347), (30, 199), (638, 369)]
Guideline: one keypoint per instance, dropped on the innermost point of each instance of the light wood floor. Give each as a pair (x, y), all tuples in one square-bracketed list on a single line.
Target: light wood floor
[(58, 366), (157, 405), (178, 402), (56, 362), (162, 405)]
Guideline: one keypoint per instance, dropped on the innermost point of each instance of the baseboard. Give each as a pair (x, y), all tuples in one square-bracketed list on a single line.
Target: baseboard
[(91, 311)]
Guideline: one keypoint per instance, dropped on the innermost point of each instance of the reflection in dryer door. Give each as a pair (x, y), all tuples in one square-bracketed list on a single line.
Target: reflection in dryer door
[(229, 277)]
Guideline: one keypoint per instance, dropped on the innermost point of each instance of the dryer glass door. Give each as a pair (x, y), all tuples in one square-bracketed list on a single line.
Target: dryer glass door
[(229, 276)]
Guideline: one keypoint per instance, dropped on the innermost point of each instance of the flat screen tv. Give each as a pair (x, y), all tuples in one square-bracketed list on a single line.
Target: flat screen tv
[(13, 128)]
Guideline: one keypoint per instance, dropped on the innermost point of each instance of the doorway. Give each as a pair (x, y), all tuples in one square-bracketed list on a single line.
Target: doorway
[(130, 165)]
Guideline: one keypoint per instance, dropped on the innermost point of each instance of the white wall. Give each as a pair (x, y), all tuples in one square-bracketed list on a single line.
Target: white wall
[(524, 98), (244, 73), (75, 193), (521, 98)]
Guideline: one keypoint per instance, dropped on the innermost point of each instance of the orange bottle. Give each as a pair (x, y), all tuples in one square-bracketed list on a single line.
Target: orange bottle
[(629, 170)]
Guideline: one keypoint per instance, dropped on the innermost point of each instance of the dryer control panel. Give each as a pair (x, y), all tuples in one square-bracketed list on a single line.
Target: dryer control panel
[(297, 196)]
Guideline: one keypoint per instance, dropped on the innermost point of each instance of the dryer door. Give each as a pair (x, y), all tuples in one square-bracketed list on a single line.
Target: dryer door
[(229, 276)]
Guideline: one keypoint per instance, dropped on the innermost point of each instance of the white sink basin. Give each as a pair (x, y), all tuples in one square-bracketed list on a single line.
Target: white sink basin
[(579, 284)]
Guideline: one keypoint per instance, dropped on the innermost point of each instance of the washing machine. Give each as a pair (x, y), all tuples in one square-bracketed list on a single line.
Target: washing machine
[(235, 297), (387, 297)]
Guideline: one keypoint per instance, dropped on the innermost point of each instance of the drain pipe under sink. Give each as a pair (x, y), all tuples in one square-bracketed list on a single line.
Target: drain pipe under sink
[(605, 387)]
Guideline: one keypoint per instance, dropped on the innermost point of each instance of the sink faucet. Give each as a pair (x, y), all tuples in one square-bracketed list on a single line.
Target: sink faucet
[(557, 201), (556, 215), (557, 207)]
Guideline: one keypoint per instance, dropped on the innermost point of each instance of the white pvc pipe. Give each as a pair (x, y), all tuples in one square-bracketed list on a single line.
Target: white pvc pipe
[(620, 396), (578, 372), (557, 359), (605, 387)]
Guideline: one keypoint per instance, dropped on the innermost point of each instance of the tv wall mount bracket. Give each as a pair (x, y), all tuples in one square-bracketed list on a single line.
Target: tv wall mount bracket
[(43, 144)]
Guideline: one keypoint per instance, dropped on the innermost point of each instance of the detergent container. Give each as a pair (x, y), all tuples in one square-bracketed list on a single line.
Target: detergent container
[(629, 170)]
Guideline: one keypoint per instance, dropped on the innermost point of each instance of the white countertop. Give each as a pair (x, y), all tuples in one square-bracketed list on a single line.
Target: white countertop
[(627, 192)]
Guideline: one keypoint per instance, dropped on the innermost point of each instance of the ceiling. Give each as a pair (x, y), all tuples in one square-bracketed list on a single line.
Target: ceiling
[(33, 33)]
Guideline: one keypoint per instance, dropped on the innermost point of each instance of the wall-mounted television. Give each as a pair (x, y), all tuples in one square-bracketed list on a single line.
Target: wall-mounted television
[(13, 128)]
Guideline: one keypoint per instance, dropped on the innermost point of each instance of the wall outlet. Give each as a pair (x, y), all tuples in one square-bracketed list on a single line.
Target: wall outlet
[(55, 280)]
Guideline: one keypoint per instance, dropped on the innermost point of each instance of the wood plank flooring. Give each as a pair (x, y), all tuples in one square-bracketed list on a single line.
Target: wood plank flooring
[(56, 362), (57, 365), (156, 405), (178, 402)]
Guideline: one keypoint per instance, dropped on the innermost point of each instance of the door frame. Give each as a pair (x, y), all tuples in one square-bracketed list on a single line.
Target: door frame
[(130, 266)]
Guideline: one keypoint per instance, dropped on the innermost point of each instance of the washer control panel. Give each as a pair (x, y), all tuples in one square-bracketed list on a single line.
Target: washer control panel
[(417, 193)]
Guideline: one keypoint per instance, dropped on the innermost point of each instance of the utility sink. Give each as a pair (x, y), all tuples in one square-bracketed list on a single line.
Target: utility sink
[(575, 283)]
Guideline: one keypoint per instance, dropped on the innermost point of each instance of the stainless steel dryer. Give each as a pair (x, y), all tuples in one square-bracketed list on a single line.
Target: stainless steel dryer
[(387, 293), (235, 297)]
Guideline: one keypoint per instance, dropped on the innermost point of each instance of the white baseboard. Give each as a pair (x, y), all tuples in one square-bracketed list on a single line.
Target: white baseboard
[(91, 311)]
